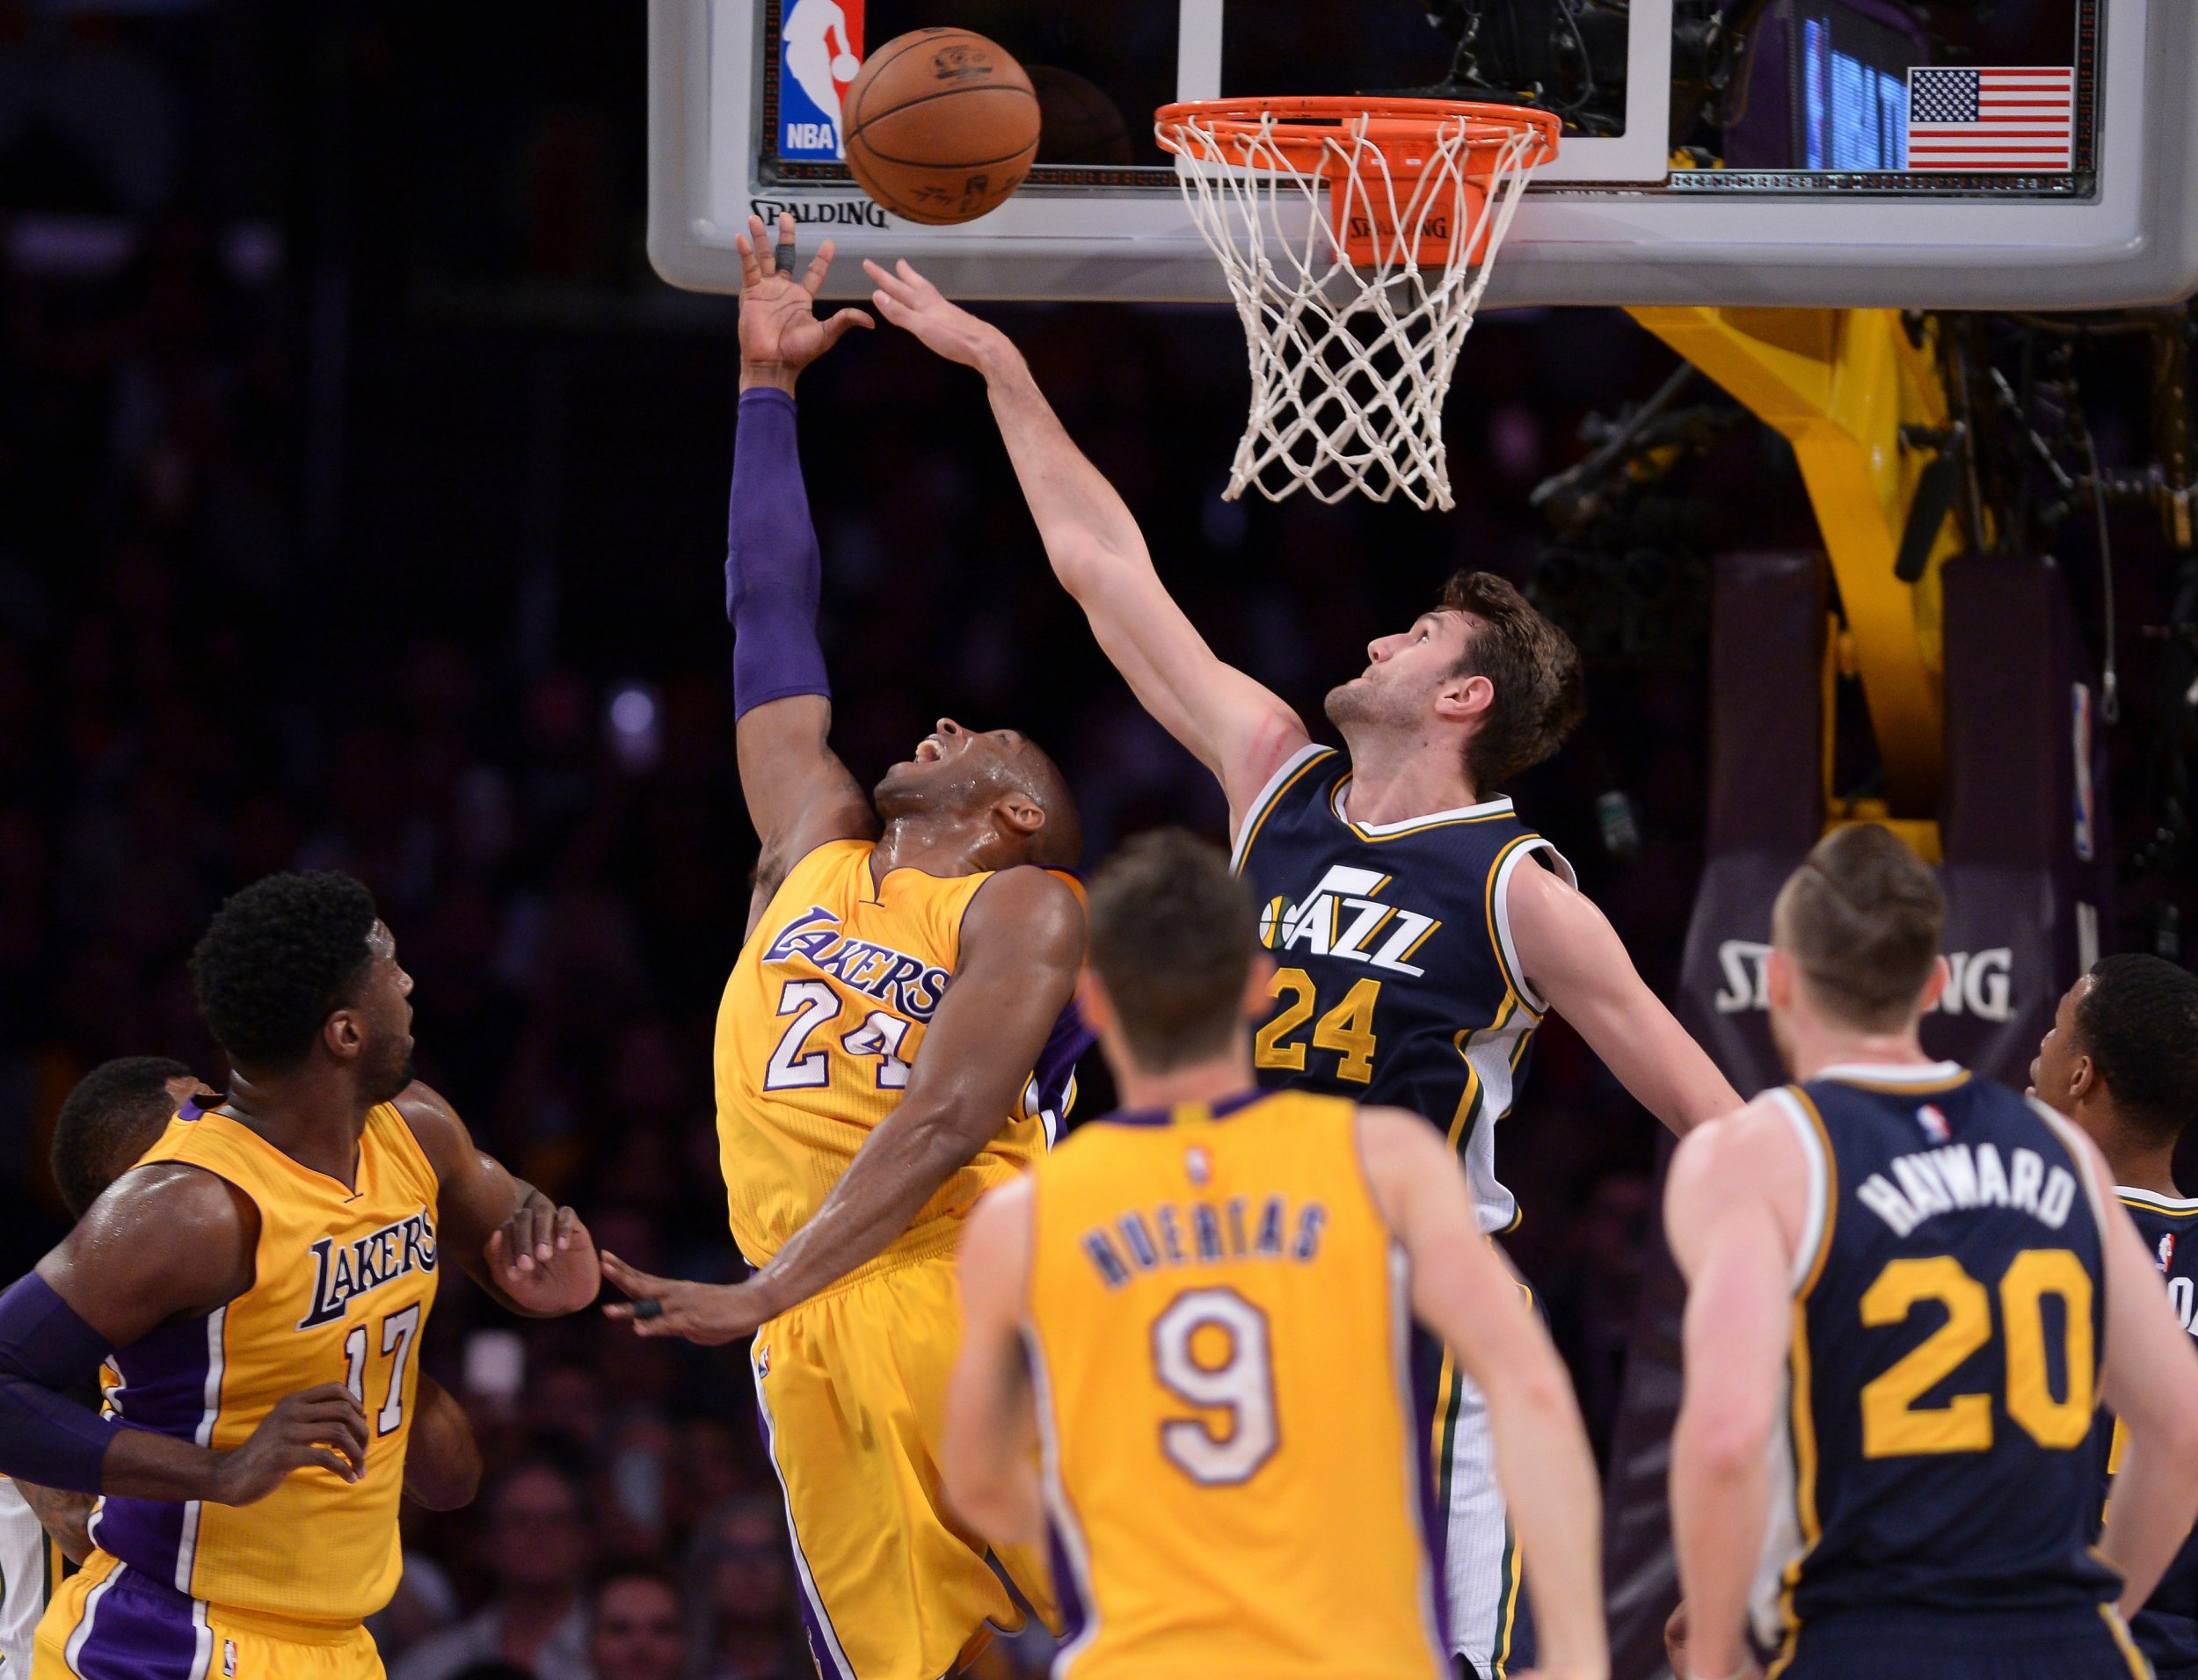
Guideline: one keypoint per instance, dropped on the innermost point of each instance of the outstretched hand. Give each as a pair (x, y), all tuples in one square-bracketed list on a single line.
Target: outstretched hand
[(905, 298), (780, 334), (706, 1314)]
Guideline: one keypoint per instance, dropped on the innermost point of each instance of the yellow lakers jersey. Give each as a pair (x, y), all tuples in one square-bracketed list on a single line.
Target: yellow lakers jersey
[(342, 1281), (824, 1011), (1219, 1318)]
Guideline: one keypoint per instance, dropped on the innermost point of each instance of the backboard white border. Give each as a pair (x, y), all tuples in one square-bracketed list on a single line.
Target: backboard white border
[(2134, 241)]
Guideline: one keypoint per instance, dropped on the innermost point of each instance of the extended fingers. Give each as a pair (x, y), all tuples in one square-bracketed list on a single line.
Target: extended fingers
[(845, 321), (749, 245), (813, 276)]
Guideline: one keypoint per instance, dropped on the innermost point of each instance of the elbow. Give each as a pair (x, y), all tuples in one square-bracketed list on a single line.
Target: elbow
[(445, 1490), (1720, 1445)]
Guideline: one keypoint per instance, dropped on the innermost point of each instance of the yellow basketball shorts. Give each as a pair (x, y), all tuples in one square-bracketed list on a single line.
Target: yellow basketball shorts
[(111, 1622), (852, 1387)]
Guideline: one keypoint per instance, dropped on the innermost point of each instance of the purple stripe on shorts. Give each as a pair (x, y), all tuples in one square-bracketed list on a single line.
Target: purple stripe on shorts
[(136, 1629), (1067, 1590)]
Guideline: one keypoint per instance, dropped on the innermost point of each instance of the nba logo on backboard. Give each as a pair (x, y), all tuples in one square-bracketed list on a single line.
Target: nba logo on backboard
[(1933, 1122), (2167, 1250), (819, 50)]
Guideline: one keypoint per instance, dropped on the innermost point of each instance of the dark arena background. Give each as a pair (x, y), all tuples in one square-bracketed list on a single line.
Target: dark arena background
[(362, 502)]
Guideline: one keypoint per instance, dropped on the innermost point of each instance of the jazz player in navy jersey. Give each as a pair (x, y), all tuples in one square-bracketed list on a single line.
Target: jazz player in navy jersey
[(1420, 930), (1908, 1291), (2122, 1061)]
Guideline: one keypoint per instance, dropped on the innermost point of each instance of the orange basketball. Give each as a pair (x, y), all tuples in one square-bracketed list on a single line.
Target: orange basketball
[(940, 125)]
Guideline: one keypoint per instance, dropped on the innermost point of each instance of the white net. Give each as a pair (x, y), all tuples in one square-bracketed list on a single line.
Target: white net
[(1350, 361)]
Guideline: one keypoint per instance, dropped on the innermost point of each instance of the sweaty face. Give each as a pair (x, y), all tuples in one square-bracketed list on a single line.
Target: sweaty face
[(385, 1065), (1404, 673), (637, 1635), (956, 772), (2053, 1071)]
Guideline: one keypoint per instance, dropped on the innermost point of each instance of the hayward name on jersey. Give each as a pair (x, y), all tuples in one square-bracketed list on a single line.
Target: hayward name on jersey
[(2167, 1629), (1396, 980), (1948, 1319), (1216, 1320), (822, 1018)]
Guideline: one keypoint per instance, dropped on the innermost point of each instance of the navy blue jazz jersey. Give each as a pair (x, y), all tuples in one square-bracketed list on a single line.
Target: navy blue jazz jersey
[(2167, 1629), (1395, 978), (1947, 1323)]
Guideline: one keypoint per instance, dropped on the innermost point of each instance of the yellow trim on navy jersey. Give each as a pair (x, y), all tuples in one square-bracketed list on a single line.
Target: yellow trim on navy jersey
[(1255, 819), (2120, 1629), (2173, 1207), (1496, 939)]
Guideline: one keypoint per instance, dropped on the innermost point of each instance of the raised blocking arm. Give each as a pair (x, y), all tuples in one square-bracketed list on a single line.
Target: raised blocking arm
[(1237, 729)]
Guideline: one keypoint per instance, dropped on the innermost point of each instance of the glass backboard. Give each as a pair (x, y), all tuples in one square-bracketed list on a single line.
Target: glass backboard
[(1861, 152)]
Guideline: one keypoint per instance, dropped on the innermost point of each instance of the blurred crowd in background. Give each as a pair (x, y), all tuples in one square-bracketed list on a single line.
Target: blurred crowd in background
[(361, 506)]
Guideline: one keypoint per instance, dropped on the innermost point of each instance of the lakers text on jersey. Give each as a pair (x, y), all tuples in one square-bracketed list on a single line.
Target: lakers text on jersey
[(1944, 1375), (826, 1010), (2167, 1629), (1217, 1319), (343, 1280)]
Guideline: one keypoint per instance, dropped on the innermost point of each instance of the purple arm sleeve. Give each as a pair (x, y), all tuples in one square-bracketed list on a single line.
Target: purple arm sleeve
[(773, 571), (45, 1350)]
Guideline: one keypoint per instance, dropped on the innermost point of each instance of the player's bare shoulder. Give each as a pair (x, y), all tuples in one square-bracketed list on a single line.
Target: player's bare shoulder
[(1031, 907)]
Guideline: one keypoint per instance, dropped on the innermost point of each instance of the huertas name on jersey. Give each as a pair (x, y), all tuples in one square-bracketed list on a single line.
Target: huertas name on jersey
[(1344, 917), (1979, 983), (1958, 1177), (342, 1271)]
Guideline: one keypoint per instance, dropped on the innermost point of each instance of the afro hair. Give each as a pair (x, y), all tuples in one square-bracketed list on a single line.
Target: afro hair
[(277, 958)]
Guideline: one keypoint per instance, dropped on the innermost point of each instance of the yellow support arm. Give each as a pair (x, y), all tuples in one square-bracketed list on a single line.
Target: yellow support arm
[(1838, 384)]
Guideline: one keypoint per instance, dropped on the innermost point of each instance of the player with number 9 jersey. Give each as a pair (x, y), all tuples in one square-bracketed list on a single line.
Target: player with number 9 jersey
[(1204, 1283), (825, 1011)]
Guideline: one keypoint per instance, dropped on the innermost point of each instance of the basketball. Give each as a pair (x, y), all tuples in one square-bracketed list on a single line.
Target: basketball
[(941, 126)]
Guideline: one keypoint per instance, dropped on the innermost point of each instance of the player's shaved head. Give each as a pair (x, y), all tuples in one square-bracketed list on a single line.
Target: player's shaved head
[(1059, 845)]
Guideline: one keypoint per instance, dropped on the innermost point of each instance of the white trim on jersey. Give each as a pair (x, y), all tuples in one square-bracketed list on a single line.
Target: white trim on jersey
[(1819, 1179), (2154, 1200), (1254, 812), (1782, 1537), (1406, 824), (2073, 1140), (1500, 903), (1892, 1073), (187, 1542), (1062, 1515)]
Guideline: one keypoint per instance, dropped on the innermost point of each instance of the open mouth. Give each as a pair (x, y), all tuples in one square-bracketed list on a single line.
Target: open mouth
[(929, 751)]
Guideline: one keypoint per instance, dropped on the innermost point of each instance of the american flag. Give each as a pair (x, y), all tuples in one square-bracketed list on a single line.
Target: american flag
[(2000, 118)]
